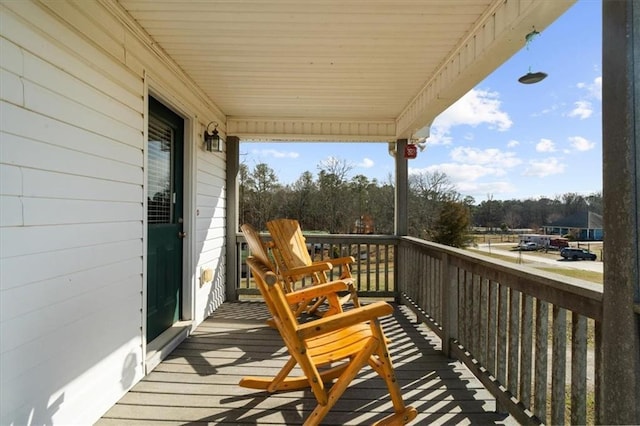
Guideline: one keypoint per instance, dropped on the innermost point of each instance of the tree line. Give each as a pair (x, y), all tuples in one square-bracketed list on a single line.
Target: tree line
[(334, 203)]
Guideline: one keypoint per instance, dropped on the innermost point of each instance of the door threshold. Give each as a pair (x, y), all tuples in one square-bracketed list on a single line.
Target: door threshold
[(160, 347)]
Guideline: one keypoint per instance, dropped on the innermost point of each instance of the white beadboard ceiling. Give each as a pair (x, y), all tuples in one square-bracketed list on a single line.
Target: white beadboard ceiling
[(337, 69)]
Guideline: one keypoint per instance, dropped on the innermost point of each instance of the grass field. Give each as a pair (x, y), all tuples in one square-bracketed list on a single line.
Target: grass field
[(596, 277)]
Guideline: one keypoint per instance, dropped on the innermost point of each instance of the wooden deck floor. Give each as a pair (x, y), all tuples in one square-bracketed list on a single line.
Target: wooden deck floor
[(198, 382)]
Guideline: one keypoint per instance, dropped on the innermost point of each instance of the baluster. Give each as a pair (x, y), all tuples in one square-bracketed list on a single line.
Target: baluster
[(503, 309), (558, 365), (514, 341), (578, 369), (526, 350), (542, 355), (484, 321), (492, 329)]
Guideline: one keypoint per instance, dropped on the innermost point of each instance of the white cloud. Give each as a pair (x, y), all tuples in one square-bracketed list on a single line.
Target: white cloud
[(490, 156), (545, 145), (512, 143), (366, 163), (457, 172), (466, 178), (594, 88), (481, 189), (547, 167), (275, 153), (474, 108), (581, 144), (582, 110)]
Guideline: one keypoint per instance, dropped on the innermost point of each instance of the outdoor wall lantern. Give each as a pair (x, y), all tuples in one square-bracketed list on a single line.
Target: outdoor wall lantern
[(531, 77), (212, 139)]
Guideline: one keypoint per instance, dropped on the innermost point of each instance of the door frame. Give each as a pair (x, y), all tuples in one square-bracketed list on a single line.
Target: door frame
[(161, 346)]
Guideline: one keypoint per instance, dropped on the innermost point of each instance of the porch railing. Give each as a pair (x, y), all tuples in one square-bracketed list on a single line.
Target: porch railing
[(373, 269), (531, 337)]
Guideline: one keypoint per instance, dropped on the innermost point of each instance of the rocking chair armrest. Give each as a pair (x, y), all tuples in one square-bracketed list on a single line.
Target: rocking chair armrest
[(342, 260), (314, 291), (308, 270), (344, 319)]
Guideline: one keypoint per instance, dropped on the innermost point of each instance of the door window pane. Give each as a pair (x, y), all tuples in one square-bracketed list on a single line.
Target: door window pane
[(159, 187)]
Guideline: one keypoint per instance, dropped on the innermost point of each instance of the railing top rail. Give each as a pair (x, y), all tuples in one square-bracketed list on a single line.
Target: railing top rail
[(340, 238), (574, 294)]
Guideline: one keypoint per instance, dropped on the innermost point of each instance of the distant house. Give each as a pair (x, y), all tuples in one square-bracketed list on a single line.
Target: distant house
[(583, 225), (363, 225)]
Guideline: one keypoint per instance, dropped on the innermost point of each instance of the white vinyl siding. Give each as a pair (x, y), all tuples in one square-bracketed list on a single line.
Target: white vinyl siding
[(72, 99)]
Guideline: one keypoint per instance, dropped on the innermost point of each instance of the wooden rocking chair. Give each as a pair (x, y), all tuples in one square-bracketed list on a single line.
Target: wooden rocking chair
[(331, 348), (259, 250), (291, 255)]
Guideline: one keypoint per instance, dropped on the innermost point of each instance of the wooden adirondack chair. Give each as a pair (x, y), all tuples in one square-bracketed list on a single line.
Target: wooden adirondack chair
[(259, 250), (291, 255), (331, 348)]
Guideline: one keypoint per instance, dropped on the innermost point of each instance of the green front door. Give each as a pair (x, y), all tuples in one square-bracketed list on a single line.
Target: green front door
[(164, 218)]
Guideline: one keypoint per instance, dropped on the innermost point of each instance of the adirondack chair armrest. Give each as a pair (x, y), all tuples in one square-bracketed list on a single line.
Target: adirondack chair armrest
[(318, 290), (342, 260), (344, 319), (307, 270)]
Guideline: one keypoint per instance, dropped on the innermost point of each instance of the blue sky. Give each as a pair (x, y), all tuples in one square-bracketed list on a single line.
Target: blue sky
[(503, 138)]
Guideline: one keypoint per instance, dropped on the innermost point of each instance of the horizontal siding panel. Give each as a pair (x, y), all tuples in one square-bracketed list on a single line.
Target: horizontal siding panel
[(19, 121), (41, 211), (91, 22), (213, 214), (68, 86), (211, 173), (211, 223), (10, 180), (116, 372), (20, 330), (34, 296), (28, 153), (19, 241), (211, 189), (11, 211), (212, 247), (11, 59), (11, 89), (66, 50), (23, 270), (70, 352), (51, 104), (38, 183), (210, 201)]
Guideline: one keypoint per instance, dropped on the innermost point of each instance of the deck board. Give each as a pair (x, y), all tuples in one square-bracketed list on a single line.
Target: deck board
[(198, 382)]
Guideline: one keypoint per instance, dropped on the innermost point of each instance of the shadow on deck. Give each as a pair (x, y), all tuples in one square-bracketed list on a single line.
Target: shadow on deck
[(198, 382)]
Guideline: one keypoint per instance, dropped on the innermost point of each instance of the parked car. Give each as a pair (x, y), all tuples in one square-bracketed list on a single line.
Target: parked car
[(577, 253), (528, 246)]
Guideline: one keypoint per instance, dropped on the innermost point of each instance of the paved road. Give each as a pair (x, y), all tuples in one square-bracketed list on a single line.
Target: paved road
[(504, 249)]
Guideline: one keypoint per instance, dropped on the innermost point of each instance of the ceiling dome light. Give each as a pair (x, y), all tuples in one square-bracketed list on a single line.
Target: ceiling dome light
[(532, 77)]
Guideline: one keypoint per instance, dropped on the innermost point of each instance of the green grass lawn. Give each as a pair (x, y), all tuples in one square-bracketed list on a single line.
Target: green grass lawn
[(595, 277)]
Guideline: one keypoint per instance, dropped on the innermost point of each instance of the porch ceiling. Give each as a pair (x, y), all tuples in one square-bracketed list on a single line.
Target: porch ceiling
[(336, 69)]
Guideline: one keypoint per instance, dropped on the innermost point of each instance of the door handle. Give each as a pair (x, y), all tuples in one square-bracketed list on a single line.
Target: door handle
[(182, 235)]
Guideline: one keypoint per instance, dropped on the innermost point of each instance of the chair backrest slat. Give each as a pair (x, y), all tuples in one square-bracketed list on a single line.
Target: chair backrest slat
[(286, 233)]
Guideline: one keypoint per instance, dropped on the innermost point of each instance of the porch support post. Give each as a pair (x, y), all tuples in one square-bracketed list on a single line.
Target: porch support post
[(233, 168), (619, 372), (402, 190), (400, 215)]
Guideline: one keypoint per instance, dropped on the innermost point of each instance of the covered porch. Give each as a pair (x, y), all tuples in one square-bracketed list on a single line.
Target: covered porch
[(198, 382), (78, 77)]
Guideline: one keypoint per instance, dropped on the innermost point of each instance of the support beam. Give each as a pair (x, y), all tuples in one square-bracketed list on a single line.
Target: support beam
[(619, 372), (232, 193), (402, 190)]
